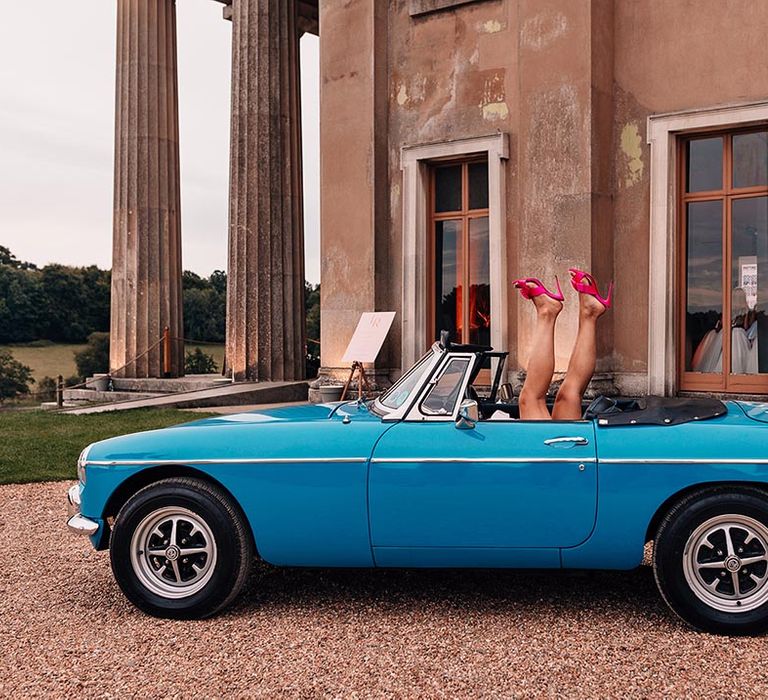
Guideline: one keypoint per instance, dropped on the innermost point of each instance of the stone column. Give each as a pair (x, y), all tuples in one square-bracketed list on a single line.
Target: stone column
[(146, 257), (265, 298)]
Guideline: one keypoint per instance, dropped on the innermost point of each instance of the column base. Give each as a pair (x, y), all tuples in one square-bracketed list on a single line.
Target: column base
[(602, 384), (379, 380)]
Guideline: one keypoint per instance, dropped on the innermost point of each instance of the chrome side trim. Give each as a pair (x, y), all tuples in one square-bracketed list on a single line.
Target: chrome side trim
[(481, 460), (246, 460), (684, 461), (402, 460)]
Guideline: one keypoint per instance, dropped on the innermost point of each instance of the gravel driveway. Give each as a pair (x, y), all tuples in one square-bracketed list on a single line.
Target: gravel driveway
[(67, 630)]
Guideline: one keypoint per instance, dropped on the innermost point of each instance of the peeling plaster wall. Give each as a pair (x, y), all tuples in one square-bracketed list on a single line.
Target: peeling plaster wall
[(669, 57), (572, 83), (452, 75)]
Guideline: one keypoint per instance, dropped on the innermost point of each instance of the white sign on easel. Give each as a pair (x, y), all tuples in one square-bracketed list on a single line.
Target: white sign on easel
[(365, 345), (369, 336)]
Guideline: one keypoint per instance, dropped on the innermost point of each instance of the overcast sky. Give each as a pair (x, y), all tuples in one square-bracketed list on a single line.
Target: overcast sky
[(57, 87)]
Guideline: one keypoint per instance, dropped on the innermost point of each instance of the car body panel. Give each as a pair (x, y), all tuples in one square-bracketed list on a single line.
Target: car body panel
[(467, 557), (354, 485), (497, 485), (301, 483), (755, 411), (642, 466)]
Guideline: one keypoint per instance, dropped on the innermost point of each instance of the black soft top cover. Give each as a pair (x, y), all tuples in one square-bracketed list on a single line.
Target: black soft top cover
[(654, 410)]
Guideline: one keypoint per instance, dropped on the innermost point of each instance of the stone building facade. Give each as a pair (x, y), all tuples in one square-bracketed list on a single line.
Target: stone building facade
[(466, 143), (627, 138)]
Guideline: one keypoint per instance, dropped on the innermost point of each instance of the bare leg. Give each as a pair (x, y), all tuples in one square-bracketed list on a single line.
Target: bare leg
[(541, 363), (581, 366)]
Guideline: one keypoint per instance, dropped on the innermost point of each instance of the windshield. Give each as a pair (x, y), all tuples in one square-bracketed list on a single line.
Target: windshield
[(398, 394)]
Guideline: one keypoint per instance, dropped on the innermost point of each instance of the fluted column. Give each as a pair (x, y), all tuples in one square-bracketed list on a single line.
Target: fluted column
[(146, 254), (265, 298)]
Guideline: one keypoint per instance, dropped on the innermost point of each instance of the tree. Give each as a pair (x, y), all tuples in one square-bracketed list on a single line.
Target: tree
[(15, 378), (22, 305), (205, 306), (312, 315), (8, 258), (199, 362), (94, 358)]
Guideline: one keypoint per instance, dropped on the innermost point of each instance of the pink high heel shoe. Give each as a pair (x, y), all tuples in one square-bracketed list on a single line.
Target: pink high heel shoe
[(584, 283), (530, 292)]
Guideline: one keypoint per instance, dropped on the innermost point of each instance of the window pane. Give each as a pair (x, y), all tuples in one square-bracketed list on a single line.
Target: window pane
[(443, 396), (448, 276), (749, 273), (705, 164), (479, 283), (750, 159), (448, 188), (398, 394), (704, 292), (478, 185)]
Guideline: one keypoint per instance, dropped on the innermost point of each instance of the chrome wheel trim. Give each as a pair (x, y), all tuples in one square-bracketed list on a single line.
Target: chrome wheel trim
[(725, 562), (173, 552)]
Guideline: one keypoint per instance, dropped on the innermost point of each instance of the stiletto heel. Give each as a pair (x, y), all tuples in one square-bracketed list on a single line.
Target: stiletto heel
[(531, 292), (584, 283)]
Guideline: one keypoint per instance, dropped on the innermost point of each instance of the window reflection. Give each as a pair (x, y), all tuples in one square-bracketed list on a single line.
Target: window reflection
[(444, 395), (749, 273), (448, 276), (479, 282), (478, 185), (704, 293), (448, 188), (705, 164), (750, 159), (461, 253)]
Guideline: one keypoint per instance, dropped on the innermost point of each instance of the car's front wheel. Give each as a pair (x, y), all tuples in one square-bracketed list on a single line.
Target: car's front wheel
[(180, 548), (711, 560)]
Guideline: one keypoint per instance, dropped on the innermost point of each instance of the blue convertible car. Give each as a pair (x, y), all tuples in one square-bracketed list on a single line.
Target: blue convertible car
[(431, 474)]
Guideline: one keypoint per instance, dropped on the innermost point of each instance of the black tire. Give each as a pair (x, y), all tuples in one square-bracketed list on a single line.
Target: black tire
[(697, 531), (170, 586)]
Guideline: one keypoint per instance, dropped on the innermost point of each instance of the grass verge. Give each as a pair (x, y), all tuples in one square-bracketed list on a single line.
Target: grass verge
[(43, 446)]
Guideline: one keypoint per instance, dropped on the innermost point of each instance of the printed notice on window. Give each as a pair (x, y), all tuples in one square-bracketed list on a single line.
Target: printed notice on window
[(369, 336)]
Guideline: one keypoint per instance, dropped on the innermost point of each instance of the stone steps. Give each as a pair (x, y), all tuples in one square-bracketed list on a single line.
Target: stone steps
[(233, 394), (92, 396)]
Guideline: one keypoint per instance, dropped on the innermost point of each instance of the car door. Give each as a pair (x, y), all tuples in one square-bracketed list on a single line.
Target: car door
[(502, 485)]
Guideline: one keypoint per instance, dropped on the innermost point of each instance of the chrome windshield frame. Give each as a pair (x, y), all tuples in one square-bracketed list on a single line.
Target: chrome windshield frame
[(395, 414)]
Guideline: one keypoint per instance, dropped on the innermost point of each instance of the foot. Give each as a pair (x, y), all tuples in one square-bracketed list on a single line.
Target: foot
[(589, 306), (545, 305)]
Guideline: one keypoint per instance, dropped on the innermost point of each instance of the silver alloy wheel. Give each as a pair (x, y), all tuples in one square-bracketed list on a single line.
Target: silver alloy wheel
[(725, 563), (173, 552)]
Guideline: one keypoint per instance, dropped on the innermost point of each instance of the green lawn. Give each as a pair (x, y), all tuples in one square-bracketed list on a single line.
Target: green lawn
[(52, 360), (46, 360), (42, 446)]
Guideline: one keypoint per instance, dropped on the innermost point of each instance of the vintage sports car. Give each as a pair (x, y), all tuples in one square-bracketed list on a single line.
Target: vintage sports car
[(430, 474)]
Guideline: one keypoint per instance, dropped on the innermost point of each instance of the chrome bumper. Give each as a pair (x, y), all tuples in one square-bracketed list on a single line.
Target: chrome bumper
[(75, 521)]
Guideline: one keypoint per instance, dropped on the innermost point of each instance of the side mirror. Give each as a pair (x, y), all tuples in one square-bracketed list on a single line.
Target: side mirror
[(469, 414)]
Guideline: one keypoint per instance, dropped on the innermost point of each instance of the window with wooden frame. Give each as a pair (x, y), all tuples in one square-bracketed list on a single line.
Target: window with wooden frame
[(458, 253), (723, 273)]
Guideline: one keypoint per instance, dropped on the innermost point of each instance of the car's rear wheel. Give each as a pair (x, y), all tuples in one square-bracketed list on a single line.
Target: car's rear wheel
[(711, 560), (180, 548)]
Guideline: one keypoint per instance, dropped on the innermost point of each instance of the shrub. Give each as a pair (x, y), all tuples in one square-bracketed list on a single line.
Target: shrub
[(46, 388), (199, 362), (94, 358), (15, 378)]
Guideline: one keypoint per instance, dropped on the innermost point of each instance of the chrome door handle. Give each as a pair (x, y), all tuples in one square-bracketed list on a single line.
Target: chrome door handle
[(554, 442)]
